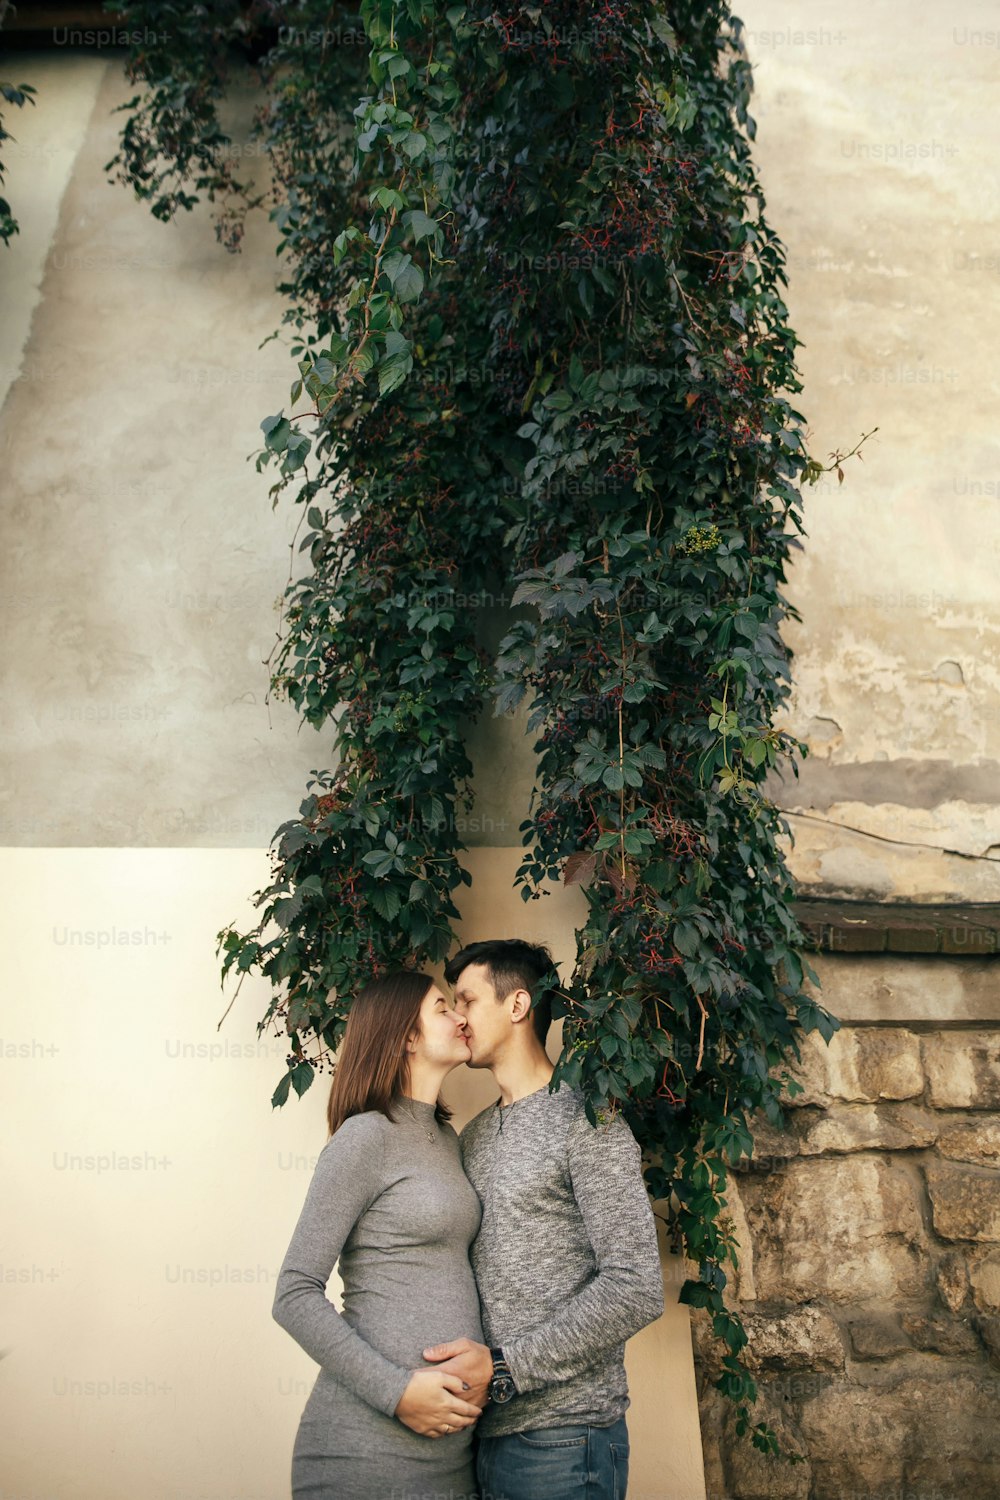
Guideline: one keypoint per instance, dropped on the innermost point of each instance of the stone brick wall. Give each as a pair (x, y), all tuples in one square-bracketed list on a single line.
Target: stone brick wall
[(869, 1277)]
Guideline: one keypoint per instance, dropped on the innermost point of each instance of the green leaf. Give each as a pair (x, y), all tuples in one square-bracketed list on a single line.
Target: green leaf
[(302, 1077), (277, 431), (421, 224), (281, 1092), (386, 902), (406, 279), (392, 372), (686, 939), (558, 401)]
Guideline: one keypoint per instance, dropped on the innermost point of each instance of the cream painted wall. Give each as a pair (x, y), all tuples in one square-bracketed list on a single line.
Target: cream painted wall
[(150, 1191)]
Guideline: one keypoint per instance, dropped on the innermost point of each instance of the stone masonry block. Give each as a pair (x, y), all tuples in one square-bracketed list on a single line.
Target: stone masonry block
[(965, 1201), (976, 1141), (806, 1338), (864, 1127), (846, 1229), (861, 1063), (932, 1438), (963, 1069), (877, 1336)]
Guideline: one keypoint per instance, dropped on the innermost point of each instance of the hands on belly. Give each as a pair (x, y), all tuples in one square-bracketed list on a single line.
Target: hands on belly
[(434, 1404), (470, 1361)]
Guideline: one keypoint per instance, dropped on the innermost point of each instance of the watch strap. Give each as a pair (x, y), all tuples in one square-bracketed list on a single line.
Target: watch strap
[(501, 1369)]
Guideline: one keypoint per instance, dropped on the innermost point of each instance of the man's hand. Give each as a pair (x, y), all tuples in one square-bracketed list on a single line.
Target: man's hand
[(471, 1362), (433, 1404)]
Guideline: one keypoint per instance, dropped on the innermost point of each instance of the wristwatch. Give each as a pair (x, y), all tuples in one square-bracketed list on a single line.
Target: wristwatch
[(502, 1387)]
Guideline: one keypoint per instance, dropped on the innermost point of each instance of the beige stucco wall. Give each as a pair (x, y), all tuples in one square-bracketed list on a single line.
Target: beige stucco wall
[(143, 774)]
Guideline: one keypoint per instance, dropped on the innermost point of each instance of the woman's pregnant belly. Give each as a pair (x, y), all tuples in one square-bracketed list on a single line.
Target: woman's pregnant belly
[(403, 1305)]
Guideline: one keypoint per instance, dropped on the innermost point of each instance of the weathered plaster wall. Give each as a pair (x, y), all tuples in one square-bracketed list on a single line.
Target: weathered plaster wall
[(876, 146), (141, 559)]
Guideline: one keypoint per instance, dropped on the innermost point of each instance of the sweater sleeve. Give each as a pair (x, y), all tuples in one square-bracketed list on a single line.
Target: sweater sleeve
[(346, 1181), (626, 1292)]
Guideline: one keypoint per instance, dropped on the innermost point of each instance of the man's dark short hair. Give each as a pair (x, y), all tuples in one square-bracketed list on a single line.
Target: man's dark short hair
[(513, 965)]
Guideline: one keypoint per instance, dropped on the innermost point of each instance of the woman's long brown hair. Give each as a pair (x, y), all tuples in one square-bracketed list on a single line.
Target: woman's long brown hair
[(371, 1069)]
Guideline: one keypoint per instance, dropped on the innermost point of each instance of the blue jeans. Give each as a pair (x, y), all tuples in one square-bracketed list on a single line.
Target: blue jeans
[(555, 1463)]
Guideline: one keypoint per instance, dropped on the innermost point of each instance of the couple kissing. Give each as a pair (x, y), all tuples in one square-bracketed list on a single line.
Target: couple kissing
[(490, 1280)]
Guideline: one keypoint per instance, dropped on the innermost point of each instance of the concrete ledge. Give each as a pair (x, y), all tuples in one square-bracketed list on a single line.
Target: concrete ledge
[(923, 992), (965, 929)]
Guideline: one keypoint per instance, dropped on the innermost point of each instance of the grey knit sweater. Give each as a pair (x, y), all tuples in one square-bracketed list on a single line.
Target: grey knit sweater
[(566, 1259), (391, 1202)]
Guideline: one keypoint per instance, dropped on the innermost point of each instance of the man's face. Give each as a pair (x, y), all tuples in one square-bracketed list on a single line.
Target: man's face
[(488, 1025)]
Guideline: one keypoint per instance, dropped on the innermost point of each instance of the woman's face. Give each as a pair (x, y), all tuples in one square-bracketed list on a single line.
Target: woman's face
[(442, 1032)]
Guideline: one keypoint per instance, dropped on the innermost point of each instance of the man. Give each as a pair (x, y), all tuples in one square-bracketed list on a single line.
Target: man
[(566, 1258)]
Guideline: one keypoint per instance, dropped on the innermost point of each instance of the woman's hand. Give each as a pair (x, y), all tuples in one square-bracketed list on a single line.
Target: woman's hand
[(432, 1404)]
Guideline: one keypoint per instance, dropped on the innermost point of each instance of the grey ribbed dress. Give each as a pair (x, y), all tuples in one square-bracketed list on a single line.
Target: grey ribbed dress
[(391, 1201)]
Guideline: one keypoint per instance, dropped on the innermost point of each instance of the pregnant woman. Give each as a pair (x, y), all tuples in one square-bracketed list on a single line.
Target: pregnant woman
[(388, 1198)]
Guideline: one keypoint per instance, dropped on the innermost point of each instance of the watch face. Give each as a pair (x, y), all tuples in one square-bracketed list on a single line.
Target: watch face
[(502, 1389)]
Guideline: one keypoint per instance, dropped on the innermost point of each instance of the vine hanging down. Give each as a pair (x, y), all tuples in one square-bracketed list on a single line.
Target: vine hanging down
[(542, 351)]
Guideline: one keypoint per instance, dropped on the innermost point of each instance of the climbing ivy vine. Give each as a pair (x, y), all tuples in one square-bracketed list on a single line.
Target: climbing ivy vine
[(18, 94), (542, 358)]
